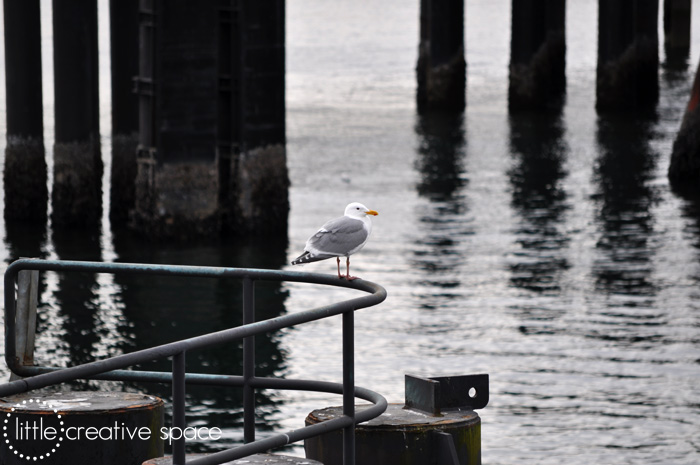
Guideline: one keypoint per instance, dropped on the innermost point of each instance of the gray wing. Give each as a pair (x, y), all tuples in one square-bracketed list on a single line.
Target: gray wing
[(338, 237)]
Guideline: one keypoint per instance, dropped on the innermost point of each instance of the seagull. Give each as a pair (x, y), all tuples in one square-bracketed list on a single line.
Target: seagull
[(340, 237)]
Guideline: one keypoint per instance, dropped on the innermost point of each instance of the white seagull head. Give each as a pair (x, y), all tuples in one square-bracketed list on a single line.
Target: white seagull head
[(359, 211)]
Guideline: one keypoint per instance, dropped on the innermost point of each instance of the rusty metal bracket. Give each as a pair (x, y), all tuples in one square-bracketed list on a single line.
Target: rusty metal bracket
[(447, 392)]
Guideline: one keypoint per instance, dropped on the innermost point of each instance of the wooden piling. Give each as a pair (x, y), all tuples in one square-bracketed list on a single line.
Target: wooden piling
[(25, 173), (537, 55), (628, 59), (76, 195), (441, 68)]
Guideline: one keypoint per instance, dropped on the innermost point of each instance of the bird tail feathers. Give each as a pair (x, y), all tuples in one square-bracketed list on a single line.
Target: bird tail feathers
[(308, 257)]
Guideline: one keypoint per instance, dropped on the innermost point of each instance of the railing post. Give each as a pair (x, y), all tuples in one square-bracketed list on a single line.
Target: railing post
[(25, 316), (349, 386), (179, 407), (248, 362)]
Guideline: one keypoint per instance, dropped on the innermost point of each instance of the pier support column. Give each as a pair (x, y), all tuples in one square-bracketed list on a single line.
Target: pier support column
[(628, 58), (537, 54), (124, 44), (255, 182), (176, 181), (76, 195), (441, 68), (25, 165), (211, 154), (677, 28), (684, 170)]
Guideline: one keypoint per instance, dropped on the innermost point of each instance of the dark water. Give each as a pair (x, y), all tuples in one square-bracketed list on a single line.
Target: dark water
[(547, 251)]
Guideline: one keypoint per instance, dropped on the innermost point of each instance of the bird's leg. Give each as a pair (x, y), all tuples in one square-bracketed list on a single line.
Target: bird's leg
[(339, 275), (348, 277)]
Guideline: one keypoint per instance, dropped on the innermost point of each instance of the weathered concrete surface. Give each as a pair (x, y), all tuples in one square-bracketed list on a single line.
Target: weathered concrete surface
[(122, 193), (24, 178), (684, 169), (176, 200), (258, 190), (77, 186)]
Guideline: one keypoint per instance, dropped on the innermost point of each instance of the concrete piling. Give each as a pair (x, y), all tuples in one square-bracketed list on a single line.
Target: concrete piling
[(628, 59), (677, 27), (441, 68), (25, 173), (76, 195), (211, 154), (124, 50), (537, 55)]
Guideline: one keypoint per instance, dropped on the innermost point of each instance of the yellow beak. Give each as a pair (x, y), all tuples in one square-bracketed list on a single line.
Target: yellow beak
[(371, 212)]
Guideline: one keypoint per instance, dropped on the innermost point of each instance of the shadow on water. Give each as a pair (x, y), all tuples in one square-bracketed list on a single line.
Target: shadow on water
[(85, 317), (158, 310), (540, 201), (624, 199), (444, 221)]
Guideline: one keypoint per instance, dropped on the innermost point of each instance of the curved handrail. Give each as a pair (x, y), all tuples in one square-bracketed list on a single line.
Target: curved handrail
[(113, 368)]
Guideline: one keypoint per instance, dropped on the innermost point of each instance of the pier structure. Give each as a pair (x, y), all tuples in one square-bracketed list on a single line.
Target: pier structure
[(628, 59), (25, 164), (537, 55), (124, 55), (677, 28), (211, 150), (198, 101), (76, 196), (441, 68)]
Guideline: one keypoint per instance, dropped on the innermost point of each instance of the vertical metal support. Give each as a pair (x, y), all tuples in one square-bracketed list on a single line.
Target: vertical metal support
[(349, 386), (248, 362), (27, 296), (179, 407)]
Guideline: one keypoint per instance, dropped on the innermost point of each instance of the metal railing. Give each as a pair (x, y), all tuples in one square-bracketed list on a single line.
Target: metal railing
[(114, 368)]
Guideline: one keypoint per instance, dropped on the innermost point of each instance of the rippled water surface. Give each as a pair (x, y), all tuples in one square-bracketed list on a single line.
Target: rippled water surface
[(547, 251)]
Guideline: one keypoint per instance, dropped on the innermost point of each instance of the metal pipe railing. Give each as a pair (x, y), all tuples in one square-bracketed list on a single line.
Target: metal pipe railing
[(114, 368)]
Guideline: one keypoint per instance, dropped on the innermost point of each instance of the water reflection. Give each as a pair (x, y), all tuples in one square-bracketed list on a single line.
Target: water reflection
[(158, 310), (25, 240), (624, 199), (76, 297), (539, 199), (442, 224)]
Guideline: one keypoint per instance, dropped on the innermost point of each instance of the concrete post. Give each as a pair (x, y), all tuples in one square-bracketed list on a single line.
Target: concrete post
[(76, 196), (537, 54), (255, 198), (684, 169), (677, 23), (176, 181), (628, 59), (211, 150), (24, 177), (441, 68), (124, 46), (677, 29)]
